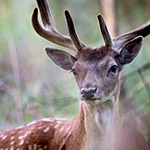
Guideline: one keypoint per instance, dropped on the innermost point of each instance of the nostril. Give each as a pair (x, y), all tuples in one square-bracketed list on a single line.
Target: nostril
[(93, 90), (82, 91)]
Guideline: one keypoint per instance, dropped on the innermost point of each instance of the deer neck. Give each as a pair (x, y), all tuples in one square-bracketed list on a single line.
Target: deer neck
[(93, 123), (98, 117)]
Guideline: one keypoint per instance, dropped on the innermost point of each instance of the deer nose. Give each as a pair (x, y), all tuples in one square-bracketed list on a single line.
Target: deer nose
[(88, 93)]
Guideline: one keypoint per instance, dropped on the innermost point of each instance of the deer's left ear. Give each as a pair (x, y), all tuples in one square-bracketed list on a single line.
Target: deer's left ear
[(61, 58), (130, 50)]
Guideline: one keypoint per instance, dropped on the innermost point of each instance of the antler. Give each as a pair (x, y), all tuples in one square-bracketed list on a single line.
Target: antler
[(72, 32), (121, 40), (105, 33), (50, 32)]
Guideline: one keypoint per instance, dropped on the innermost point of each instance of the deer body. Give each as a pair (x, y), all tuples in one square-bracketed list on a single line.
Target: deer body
[(91, 130), (85, 132), (55, 134), (97, 71)]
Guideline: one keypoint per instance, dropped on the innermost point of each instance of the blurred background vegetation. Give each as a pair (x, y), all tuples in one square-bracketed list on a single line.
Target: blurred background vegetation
[(31, 86)]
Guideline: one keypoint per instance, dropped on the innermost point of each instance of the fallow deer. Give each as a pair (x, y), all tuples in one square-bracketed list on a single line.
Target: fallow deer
[(96, 72)]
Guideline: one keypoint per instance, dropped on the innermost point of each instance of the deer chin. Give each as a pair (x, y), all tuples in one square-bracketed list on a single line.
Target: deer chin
[(100, 100), (95, 101)]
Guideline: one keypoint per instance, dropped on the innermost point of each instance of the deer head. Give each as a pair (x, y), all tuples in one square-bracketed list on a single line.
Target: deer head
[(96, 70)]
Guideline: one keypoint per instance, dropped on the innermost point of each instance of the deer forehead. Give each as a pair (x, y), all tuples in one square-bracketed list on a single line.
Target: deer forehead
[(93, 59)]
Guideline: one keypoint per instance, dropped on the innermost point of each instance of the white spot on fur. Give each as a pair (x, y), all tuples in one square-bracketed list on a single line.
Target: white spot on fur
[(20, 137), (45, 147), (22, 141), (45, 130), (20, 132), (12, 143), (34, 146), (61, 119), (28, 132), (1, 135), (62, 128), (19, 127), (48, 119), (12, 148), (56, 126), (33, 122), (4, 137), (12, 138), (29, 147), (25, 134), (41, 127), (67, 129)]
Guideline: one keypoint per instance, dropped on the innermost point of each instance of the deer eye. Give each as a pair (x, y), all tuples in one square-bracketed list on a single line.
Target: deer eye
[(74, 71), (113, 69)]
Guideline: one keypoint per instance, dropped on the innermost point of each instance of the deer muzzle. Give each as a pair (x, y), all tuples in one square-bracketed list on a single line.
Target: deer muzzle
[(88, 93)]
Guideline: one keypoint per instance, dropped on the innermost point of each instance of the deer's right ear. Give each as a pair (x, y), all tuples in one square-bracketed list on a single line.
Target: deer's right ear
[(61, 58), (130, 50)]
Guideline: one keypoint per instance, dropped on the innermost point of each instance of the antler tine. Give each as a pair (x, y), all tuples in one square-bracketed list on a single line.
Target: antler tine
[(46, 15), (78, 44), (119, 41), (50, 32), (105, 33)]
